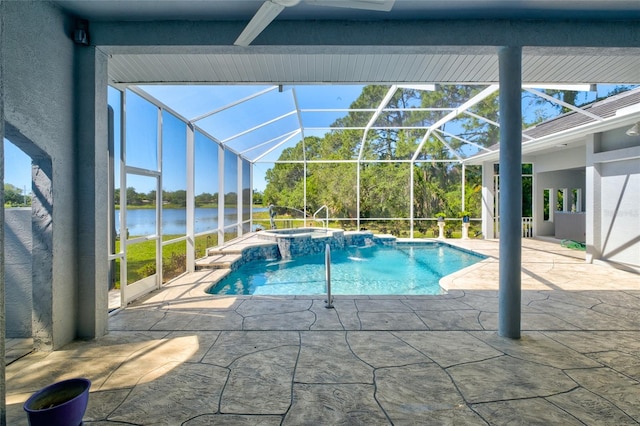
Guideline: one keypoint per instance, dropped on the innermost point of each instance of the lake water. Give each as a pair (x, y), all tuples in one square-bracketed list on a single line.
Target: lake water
[(174, 221)]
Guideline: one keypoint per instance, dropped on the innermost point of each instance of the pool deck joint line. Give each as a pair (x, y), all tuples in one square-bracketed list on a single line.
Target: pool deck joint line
[(182, 357)]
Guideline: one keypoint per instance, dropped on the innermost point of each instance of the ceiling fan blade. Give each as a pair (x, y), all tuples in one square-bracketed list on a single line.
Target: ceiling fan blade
[(263, 17), (381, 5)]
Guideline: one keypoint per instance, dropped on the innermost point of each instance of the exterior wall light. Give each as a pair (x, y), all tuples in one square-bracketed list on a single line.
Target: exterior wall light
[(634, 130)]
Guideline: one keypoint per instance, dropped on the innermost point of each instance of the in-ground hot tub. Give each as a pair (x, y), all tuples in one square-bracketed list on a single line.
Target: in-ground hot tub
[(302, 241), (275, 234)]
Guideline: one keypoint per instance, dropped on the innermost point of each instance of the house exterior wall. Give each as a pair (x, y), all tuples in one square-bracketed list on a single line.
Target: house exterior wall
[(54, 94), (613, 210), (620, 212), (555, 180), (608, 172), (17, 244), (560, 160), (38, 82), (606, 167), (614, 140), (550, 172)]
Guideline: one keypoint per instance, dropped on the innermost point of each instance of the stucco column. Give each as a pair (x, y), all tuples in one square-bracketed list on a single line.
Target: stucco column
[(510, 59), (91, 123)]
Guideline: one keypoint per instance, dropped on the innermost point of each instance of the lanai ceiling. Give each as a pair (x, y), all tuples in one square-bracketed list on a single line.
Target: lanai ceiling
[(429, 41)]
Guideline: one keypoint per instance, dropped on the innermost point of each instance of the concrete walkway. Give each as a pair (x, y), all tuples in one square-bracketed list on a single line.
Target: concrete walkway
[(16, 348), (182, 357)]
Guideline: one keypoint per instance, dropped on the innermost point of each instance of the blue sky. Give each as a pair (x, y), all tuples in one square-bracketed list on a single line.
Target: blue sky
[(17, 167)]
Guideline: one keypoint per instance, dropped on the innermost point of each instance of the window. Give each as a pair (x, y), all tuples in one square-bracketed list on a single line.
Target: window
[(546, 203)]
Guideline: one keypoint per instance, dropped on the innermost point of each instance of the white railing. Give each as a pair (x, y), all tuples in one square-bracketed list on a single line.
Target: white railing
[(326, 220), (527, 227)]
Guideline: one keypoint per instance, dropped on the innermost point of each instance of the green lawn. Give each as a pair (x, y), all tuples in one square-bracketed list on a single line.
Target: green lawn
[(141, 257)]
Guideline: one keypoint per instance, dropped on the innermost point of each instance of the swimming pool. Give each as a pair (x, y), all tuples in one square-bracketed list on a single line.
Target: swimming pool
[(409, 269)]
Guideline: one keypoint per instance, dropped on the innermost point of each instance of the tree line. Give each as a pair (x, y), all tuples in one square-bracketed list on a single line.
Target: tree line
[(15, 197), (177, 199)]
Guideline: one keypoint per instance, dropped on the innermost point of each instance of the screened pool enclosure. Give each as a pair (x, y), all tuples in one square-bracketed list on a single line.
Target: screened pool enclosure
[(196, 166)]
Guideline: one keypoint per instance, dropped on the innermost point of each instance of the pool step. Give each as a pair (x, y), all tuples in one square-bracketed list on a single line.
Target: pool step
[(218, 261), (237, 248), (225, 256), (220, 251)]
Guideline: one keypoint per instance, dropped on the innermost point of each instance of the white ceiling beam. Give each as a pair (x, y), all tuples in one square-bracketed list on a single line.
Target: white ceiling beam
[(270, 141), (372, 109), (453, 151), (374, 117), (567, 87), (300, 125), (564, 104), (466, 141), (259, 126), (456, 112), (421, 87), (430, 160), (479, 117), (258, 158), (232, 104), (370, 128)]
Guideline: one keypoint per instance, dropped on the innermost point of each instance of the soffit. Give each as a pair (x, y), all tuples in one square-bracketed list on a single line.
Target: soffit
[(568, 65), (303, 68)]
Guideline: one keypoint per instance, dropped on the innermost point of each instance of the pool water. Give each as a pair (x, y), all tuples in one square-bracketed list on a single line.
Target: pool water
[(376, 270)]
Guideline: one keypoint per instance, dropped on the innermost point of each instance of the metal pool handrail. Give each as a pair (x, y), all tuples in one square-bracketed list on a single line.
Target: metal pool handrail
[(326, 221), (327, 262)]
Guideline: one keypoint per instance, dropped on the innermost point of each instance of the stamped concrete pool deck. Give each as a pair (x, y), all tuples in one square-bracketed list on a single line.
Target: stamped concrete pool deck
[(183, 357)]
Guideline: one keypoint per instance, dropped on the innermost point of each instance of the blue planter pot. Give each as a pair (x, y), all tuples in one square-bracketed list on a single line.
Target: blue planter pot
[(60, 404)]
